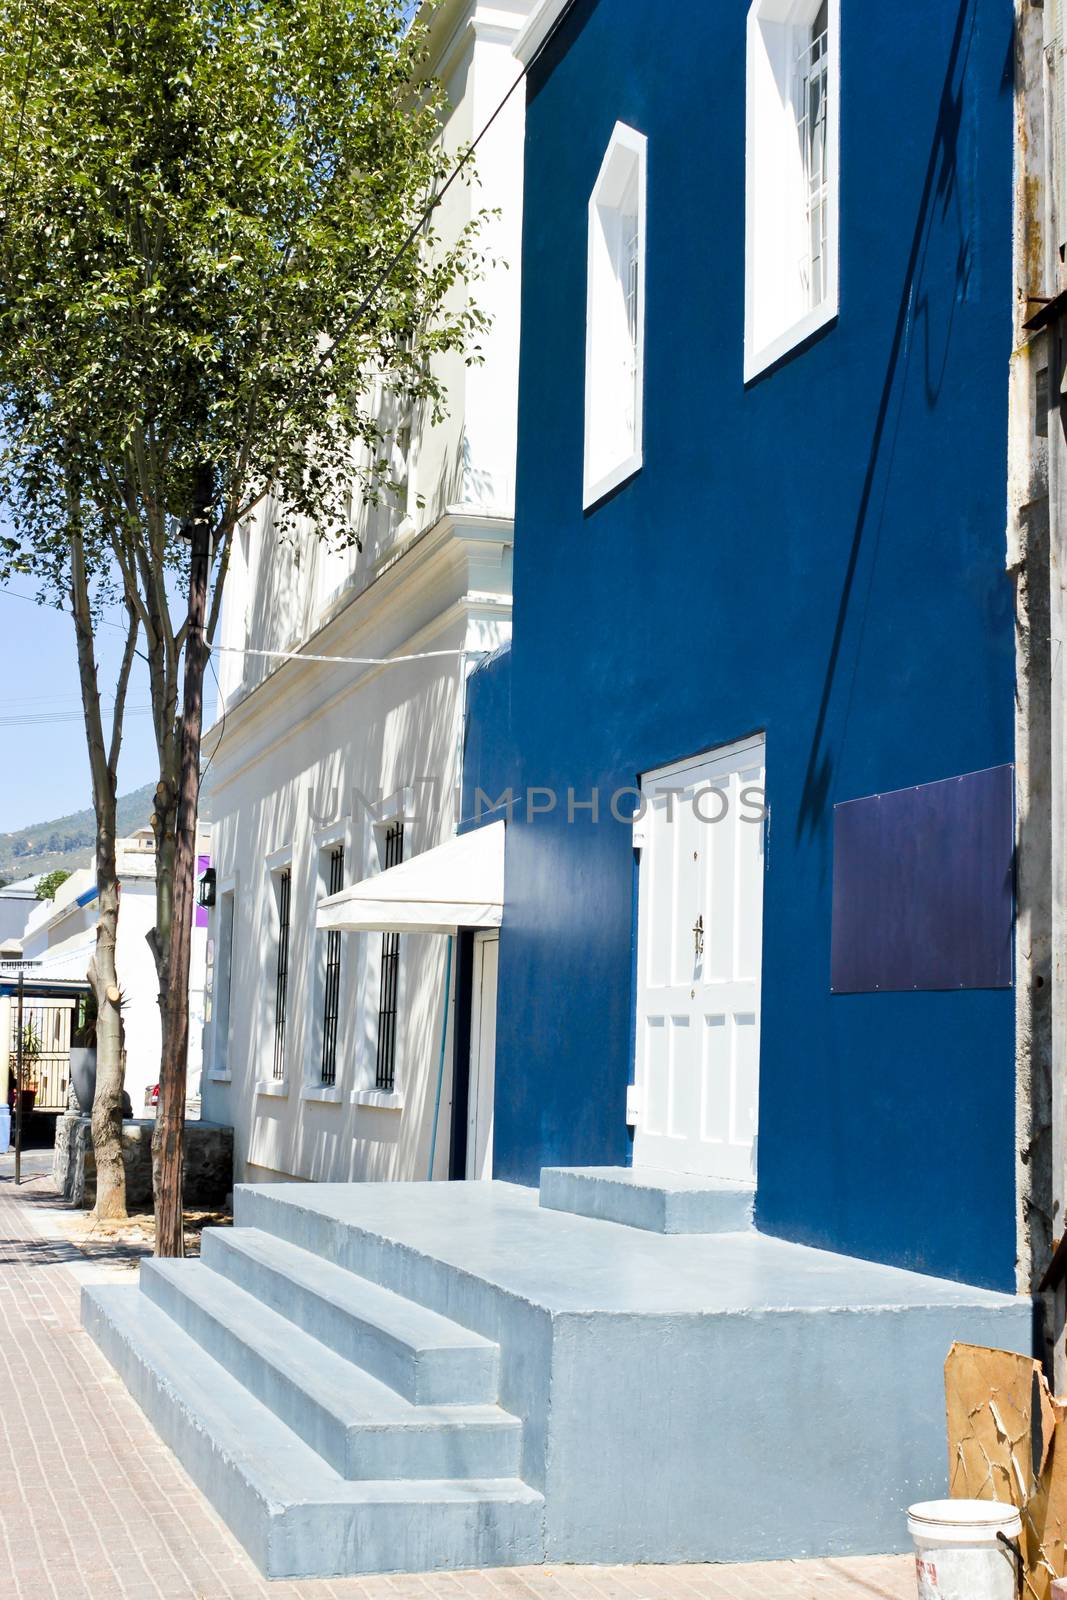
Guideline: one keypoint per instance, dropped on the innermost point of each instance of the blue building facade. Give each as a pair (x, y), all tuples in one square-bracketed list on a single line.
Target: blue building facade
[(815, 554)]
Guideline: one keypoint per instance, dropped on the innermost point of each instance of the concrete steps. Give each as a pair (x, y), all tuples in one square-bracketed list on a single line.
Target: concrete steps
[(641, 1197), (677, 1396), (296, 1514), (358, 1424), (426, 1358), (337, 1426)]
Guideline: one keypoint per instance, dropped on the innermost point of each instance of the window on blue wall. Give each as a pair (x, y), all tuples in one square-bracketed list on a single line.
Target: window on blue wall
[(615, 316), (791, 187)]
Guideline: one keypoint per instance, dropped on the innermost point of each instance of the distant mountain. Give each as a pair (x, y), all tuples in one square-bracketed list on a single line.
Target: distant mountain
[(68, 841)]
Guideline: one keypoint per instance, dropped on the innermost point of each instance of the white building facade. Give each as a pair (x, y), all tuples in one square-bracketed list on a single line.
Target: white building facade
[(324, 1049)]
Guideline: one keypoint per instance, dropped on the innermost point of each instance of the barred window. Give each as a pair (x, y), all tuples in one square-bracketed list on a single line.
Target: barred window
[(283, 889), (332, 988), (385, 1074)]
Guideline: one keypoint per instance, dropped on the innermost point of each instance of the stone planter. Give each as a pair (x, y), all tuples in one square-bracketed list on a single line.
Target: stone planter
[(207, 1169), (83, 1074)]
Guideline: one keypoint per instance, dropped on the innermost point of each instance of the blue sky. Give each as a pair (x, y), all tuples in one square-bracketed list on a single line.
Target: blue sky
[(44, 764)]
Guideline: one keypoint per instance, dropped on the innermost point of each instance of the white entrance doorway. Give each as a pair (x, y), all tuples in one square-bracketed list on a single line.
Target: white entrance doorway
[(699, 950), (483, 1056)]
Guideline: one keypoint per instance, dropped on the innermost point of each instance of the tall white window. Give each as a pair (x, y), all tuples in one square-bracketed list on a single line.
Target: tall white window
[(791, 189), (615, 316), (283, 885), (220, 971)]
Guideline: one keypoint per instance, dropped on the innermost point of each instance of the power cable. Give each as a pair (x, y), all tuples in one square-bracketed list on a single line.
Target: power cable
[(13, 594), (222, 730), (34, 719), (342, 661)]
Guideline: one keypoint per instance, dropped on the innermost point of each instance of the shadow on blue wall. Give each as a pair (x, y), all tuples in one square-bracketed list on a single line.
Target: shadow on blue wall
[(940, 189)]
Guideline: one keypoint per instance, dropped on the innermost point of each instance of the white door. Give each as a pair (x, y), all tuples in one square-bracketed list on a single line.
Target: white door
[(483, 1056), (699, 945)]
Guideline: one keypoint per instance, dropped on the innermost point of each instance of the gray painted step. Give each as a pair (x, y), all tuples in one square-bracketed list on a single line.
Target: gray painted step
[(293, 1513), (643, 1197), (358, 1424), (425, 1357)]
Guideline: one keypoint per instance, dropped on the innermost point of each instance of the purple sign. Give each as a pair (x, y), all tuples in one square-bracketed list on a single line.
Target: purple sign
[(924, 887)]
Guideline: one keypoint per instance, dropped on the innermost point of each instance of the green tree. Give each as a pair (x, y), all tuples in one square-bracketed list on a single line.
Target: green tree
[(206, 276), (50, 882)]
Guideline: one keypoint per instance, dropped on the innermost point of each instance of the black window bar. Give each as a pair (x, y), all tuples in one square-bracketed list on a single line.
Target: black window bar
[(385, 1076), (282, 989), (332, 994)]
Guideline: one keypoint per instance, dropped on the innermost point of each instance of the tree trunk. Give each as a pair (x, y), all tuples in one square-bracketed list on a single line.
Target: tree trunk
[(110, 1072), (103, 974), (170, 1117)]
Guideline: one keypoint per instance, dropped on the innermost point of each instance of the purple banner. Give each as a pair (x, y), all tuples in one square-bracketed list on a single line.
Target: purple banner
[(201, 915)]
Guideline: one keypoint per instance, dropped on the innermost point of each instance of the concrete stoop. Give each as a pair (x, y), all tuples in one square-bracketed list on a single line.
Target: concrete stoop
[(641, 1197), (409, 1377)]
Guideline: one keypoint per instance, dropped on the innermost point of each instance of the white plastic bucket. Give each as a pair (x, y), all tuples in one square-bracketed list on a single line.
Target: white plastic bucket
[(957, 1553)]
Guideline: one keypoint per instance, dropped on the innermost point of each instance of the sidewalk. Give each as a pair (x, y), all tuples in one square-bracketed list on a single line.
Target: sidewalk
[(94, 1507)]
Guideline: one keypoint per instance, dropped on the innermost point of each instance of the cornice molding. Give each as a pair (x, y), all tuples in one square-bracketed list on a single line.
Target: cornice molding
[(389, 616), (538, 29)]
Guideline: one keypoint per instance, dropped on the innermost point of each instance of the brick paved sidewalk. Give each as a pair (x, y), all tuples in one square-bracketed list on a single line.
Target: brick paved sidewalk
[(101, 1510)]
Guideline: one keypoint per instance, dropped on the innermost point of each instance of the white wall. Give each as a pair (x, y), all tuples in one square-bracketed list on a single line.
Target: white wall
[(304, 741), (326, 764)]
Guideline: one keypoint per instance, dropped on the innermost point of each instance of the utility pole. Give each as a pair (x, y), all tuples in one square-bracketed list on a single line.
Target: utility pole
[(18, 1082), (1037, 560)]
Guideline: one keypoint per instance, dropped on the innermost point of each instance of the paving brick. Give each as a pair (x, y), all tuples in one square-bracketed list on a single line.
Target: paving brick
[(95, 1506)]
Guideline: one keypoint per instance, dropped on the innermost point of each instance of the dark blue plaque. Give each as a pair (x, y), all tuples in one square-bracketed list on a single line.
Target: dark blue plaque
[(924, 887)]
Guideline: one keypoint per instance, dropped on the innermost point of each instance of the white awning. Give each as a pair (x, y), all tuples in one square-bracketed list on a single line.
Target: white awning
[(457, 885)]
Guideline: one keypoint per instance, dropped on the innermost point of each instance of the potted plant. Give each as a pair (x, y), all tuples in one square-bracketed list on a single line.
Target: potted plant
[(83, 1052), (31, 1050)]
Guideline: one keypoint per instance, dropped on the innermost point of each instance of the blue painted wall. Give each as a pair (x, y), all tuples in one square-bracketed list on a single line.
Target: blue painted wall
[(820, 555)]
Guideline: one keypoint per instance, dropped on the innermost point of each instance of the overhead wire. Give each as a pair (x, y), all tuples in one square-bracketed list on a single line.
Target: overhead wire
[(222, 729), (361, 309)]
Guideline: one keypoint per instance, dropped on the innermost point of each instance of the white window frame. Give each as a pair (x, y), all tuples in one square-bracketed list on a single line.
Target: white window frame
[(396, 807), (277, 862), (775, 323), (625, 163), (224, 922), (312, 1087)]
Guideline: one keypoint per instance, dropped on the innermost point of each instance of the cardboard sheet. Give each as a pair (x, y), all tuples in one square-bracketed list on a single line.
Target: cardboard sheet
[(1007, 1440)]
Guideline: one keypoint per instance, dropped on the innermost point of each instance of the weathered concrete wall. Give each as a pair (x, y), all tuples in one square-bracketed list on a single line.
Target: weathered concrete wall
[(1038, 1184), (208, 1168)]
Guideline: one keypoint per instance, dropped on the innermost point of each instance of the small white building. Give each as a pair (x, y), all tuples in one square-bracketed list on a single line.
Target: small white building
[(60, 937), (324, 1049), (17, 900)]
